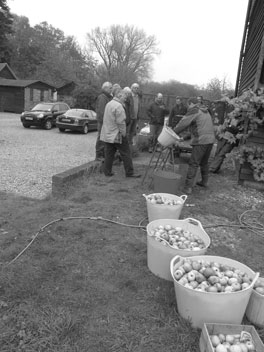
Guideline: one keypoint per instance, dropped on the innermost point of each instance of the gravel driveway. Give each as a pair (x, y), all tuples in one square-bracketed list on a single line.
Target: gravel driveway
[(30, 157)]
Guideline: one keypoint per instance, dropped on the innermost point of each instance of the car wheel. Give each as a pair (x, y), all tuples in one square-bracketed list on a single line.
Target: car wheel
[(26, 125), (85, 129), (48, 125), (62, 129)]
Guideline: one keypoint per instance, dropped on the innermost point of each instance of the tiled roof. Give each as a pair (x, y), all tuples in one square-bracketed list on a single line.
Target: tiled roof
[(20, 82)]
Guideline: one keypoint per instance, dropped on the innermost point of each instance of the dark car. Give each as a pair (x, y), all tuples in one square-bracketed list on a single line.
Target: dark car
[(81, 120), (43, 115)]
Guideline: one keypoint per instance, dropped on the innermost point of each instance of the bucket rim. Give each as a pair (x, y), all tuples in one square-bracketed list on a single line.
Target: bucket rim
[(183, 197), (250, 287), (186, 220)]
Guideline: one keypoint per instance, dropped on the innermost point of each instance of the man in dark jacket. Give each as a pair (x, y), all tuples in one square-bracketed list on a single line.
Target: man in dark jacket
[(101, 102), (203, 137), (156, 113), (177, 112), (228, 137)]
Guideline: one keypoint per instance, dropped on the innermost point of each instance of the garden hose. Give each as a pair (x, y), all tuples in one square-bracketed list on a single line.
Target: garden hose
[(253, 225)]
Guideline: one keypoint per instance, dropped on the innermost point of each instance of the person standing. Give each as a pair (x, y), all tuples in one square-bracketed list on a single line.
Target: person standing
[(228, 138), (203, 137), (113, 134), (129, 107), (156, 113), (132, 127), (101, 102), (177, 113)]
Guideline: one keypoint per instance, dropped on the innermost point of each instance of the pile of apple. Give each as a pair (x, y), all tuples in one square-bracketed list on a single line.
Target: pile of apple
[(202, 275), (259, 285), (177, 237), (232, 343), (158, 199)]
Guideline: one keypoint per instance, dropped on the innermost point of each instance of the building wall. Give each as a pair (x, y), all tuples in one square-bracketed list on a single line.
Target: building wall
[(251, 62), (33, 96), (12, 99)]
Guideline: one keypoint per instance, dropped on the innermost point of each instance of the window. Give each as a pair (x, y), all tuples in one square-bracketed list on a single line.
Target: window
[(42, 95), (63, 107), (31, 94)]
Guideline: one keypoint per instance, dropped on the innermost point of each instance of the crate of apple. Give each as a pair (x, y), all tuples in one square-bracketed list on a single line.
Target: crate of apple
[(233, 343), (207, 276), (177, 237)]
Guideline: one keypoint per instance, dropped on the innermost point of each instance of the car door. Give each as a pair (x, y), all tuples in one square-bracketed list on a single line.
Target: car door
[(55, 112), (92, 120)]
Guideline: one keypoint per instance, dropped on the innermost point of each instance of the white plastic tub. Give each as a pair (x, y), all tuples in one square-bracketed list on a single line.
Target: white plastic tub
[(163, 211), (208, 307), (159, 256)]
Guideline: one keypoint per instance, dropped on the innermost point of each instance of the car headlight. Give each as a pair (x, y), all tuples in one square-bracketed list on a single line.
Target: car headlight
[(40, 115), (22, 114)]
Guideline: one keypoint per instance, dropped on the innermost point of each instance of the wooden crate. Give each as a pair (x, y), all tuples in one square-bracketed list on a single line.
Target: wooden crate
[(215, 329)]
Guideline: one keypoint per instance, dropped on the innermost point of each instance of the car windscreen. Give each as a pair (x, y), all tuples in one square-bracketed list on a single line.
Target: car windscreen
[(74, 113), (43, 107)]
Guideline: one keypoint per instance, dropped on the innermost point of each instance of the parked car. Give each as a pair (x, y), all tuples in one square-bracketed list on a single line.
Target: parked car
[(43, 115), (81, 120)]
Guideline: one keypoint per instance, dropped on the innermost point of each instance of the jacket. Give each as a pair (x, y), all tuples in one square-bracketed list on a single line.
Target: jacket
[(129, 109), (201, 125), (101, 102), (157, 112), (176, 114), (114, 122)]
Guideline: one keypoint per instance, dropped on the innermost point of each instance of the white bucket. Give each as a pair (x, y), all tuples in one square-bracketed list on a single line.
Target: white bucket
[(159, 255), (168, 137), (209, 307), (164, 211), (255, 308)]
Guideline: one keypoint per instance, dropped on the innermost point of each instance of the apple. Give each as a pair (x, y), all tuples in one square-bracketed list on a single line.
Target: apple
[(221, 348), (215, 340), (250, 346), (178, 274), (230, 339), (221, 338), (191, 276)]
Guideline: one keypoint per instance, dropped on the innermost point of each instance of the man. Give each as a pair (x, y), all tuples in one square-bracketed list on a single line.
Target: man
[(129, 107), (203, 137), (113, 134), (156, 113), (177, 112), (228, 138), (132, 127), (101, 102)]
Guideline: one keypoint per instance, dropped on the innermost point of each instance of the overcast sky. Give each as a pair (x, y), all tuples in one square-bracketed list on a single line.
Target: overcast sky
[(198, 39)]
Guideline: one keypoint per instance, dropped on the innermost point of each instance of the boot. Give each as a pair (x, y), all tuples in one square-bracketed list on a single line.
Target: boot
[(203, 182)]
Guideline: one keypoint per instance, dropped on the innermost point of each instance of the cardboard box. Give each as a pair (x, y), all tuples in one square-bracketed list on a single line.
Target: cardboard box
[(215, 329)]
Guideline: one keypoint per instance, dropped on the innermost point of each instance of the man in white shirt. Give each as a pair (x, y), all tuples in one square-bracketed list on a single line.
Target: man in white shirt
[(113, 134)]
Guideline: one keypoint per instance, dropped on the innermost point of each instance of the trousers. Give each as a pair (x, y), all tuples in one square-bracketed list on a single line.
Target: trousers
[(199, 158), (125, 154)]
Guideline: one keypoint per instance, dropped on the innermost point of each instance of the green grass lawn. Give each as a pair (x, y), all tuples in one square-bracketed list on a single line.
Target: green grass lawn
[(84, 285)]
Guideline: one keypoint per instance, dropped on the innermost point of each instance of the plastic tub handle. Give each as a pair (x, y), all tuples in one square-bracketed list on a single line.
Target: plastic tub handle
[(193, 221), (174, 260), (255, 279), (184, 197)]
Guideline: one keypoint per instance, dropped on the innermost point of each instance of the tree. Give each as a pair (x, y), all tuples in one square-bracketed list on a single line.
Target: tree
[(125, 52), (6, 20), (216, 88), (45, 53)]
